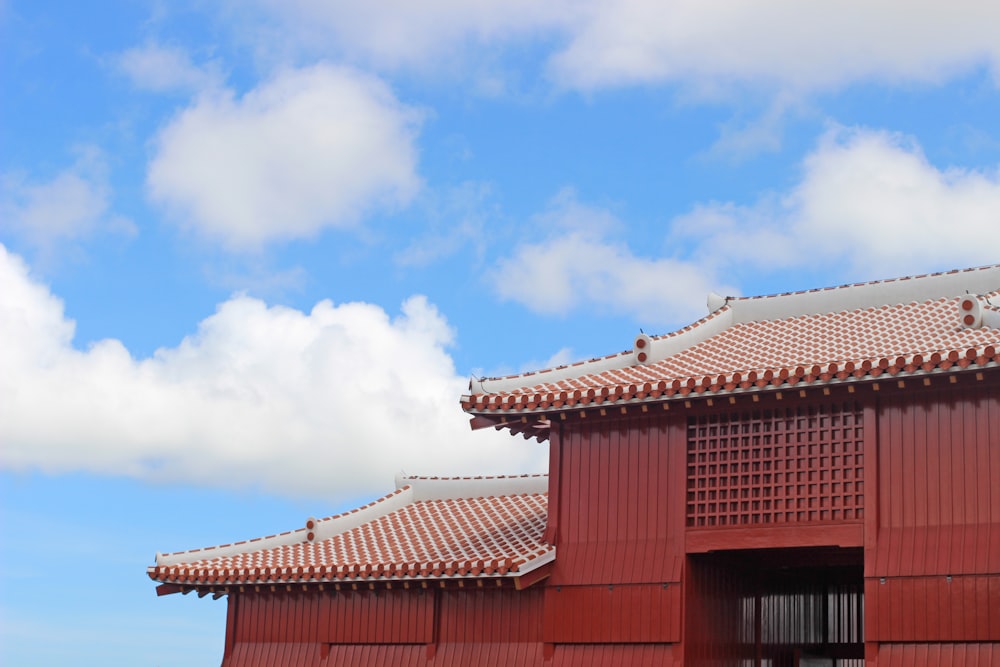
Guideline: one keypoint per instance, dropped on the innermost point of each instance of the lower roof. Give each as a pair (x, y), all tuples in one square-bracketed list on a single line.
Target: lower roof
[(429, 528)]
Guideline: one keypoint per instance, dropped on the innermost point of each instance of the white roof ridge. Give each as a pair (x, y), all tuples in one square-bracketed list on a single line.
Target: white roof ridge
[(728, 311), (860, 296), (990, 269), (408, 490), (457, 488), (316, 528)]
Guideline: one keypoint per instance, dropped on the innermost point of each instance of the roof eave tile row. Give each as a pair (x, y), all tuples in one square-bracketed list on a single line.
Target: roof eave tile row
[(473, 568), (539, 401)]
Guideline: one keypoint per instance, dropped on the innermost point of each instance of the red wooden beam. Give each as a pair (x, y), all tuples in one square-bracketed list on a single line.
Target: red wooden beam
[(533, 577), (168, 589), (791, 535)]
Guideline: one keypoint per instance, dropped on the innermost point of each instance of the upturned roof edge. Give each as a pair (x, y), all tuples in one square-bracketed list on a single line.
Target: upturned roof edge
[(409, 489), (729, 311)]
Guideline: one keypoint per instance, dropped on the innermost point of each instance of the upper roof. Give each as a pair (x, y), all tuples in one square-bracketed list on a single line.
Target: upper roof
[(920, 324), (429, 528)]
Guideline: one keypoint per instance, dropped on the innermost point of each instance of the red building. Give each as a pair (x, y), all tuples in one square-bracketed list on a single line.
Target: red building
[(809, 478)]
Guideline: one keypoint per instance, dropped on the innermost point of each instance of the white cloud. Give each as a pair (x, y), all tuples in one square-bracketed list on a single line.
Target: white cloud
[(306, 150), (397, 33), (73, 204), (789, 44), (576, 265), (332, 402), (159, 68), (598, 43), (869, 205)]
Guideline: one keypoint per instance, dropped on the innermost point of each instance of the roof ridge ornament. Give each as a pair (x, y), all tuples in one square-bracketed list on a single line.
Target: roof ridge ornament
[(971, 311), (716, 301), (974, 315)]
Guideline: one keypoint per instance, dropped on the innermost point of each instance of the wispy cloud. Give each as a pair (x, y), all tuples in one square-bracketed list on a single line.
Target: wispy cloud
[(163, 69), (73, 204), (787, 44), (603, 43), (868, 205), (579, 261)]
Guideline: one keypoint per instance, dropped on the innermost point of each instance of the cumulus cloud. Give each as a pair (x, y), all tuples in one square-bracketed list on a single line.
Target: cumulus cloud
[(598, 43), (869, 202), (306, 150), (161, 69), (578, 263), (72, 204), (332, 402), (869, 205)]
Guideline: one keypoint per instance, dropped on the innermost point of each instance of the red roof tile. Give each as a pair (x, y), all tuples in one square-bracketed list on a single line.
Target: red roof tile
[(837, 334), (430, 528)]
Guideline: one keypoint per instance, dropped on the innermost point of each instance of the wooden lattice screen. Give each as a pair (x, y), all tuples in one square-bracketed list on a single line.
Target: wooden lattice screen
[(782, 465)]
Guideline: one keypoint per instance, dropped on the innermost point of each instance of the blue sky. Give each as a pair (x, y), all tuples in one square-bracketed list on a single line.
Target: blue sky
[(251, 252)]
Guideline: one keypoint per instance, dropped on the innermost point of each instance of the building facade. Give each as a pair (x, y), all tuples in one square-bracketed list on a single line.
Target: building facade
[(802, 479)]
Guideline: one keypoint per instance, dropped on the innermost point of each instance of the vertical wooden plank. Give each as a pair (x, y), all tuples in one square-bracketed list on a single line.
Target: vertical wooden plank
[(898, 487), (673, 505), (969, 444), (984, 484), (296, 616), (633, 567), (942, 614), (609, 550), (924, 496), (581, 453), (601, 498), (555, 487), (876, 488), (233, 623), (950, 409), (982, 596), (908, 488), (921, 605), (260, 628), (348, 614), (966, 608), (942, 434), (993, 596), (991, 417), (288, 608)]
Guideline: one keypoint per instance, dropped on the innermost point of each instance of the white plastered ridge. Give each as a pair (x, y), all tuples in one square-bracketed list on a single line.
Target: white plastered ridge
[(408, 490), (234, 549), (446, 488)]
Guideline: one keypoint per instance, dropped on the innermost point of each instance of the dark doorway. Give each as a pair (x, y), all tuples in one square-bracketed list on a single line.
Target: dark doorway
[(775, 608)]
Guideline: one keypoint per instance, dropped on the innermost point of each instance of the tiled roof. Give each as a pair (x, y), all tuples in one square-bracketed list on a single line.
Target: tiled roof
[(429, 528), (838, 334)]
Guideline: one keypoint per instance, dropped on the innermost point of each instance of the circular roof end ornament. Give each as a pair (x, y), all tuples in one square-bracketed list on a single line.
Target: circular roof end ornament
[(642, 349), (970, 312)]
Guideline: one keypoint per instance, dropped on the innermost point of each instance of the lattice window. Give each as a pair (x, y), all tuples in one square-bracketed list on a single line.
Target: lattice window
[(783, 465)]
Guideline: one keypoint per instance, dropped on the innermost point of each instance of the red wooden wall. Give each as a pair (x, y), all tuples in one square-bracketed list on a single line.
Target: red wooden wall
[(406, 627), (905, 482), (618, 525), (933, 572), (620, 512)]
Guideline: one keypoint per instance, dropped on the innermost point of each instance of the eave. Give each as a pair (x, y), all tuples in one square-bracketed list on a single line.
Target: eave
[(530, 413)]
